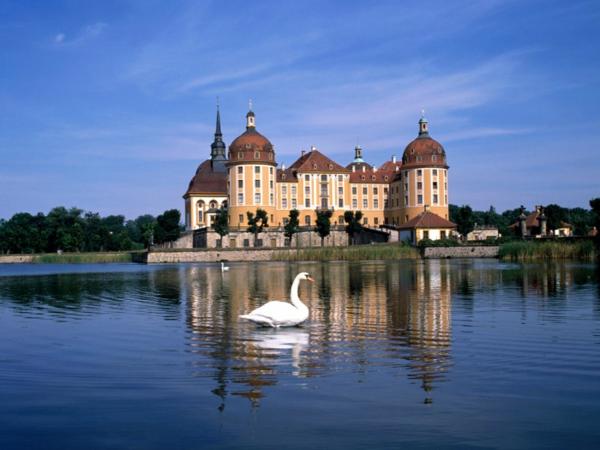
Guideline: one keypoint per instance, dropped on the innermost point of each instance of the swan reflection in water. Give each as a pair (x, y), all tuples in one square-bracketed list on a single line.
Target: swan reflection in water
[(281, 342)]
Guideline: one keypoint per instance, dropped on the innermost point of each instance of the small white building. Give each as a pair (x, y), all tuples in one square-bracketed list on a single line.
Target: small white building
[(482, 233), (426, 225)]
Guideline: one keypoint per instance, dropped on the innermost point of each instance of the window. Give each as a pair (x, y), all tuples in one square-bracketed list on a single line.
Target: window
[(376, 220), (354, 203), (240, 155), (324, 204), (307, 203), (419, 185), (323, 190), (200, 216), (445, 200), (241, 184), (419, 199), (246, 242), (375, 203), (364, 190), (307, 220), (340, 191), (425, 234), (406, 200), (271, 170), (435, 199), (435, 185), (241, 218), (294, 204), (443, 234), (340, 219), (419, 173), (315, 166), (240, 199), (324, 178), (257, 198), (284, 190), (385, 191), (353, 190), (257, 183), (385, 203), (284, 203), (256, 169), (256, 155), (307, 191), (365, 203), (271, 201), (271, 184), (341, 178), (366, 221), (406, 187), (434, 172), (375, 191), (240, 169), (434, 158), (294, 190), (340, 202), (307, 178)]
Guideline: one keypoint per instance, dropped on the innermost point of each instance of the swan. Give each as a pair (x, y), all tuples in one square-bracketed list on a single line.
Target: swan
[(282, 314), (224, 268)]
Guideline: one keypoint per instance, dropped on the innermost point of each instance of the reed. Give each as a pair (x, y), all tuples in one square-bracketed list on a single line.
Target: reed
[(533, 250), (83, 258), (353, 253)]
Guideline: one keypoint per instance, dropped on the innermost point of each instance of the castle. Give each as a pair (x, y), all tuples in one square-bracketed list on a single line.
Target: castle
[(400, 194)]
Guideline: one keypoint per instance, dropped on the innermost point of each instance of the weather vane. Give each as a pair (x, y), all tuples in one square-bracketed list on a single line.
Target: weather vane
[(250, 104)]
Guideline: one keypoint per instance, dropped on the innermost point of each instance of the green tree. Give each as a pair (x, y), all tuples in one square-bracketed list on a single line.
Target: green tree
[(464, 220), (65, 229), (353, 225), (293, 226), (167, 227), (595, 204), (256, 223), (555, 214), (323, 227), (221, 223)]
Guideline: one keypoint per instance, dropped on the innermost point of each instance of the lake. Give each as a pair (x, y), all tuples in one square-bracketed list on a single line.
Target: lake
[(412, 354)]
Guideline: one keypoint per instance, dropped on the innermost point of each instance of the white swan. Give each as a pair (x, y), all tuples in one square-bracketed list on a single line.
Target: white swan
[(224, 268), (282, 314)]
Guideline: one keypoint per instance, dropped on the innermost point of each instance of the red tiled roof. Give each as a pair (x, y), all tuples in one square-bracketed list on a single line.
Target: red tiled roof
[(359, 165), (370, 176), (427, 219), (207, 181), (391, 166), (287, 176), (315, 161), (251, 146)]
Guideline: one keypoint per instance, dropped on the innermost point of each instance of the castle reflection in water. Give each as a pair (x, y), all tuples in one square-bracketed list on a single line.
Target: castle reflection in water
[(360, 314)]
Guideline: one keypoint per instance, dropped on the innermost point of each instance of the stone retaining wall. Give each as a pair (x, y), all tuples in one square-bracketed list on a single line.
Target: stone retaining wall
[(461, 252), (212, 256), (15, 259)]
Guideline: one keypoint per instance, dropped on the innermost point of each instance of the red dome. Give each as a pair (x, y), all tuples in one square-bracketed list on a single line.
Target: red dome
[(251, 146), (424, 152)]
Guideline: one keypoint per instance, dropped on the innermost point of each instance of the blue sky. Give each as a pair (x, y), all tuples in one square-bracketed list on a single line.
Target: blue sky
[(110, 106)]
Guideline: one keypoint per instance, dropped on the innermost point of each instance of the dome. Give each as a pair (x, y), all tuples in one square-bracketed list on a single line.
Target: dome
[(424, 152), (251, 146)]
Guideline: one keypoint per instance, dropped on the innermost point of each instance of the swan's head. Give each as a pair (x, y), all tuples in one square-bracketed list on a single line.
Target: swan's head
[(305, 276)]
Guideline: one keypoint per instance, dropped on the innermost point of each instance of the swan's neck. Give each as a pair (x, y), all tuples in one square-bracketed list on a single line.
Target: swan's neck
[(294, 295)]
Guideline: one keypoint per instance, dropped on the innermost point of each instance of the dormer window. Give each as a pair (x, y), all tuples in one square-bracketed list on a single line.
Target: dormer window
[(373, 177), (434, 158), (256, 155), (330, 166), (283, 176), (385, 178), (270, 156), (240, 155), (362, 177), (314, 166), (248, 146)]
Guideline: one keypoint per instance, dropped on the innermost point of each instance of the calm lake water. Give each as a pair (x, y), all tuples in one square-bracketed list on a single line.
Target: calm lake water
[(412, 354)]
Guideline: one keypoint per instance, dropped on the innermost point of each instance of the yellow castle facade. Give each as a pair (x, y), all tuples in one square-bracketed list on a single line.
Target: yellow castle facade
[(248, 177)]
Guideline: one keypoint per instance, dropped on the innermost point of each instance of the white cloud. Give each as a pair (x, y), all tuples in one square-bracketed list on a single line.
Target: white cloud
[(87, 33)]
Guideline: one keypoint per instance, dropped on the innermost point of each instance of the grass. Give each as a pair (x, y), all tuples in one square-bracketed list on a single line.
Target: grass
[(353, 253), (547, 250), (83, 258)]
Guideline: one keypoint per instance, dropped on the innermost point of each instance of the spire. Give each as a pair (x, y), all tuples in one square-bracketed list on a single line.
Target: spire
[(423, 125), (218, 147), (250, 123)]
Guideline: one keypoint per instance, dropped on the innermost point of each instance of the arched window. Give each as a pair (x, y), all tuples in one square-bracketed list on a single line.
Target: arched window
[(224, 204), (213, 204)]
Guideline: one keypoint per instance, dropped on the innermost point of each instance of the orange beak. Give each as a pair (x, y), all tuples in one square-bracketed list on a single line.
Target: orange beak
[(309, 278)]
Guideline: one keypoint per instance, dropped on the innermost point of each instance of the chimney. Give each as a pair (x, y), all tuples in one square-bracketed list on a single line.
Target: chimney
[(312, 148), (283, 167), (394, 159), (302, 152)]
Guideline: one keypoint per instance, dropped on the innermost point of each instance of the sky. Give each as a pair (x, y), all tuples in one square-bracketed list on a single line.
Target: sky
[(109, 106)]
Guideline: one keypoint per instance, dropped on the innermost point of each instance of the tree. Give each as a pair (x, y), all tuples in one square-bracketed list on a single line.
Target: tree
[(353, 225), (323, 227), (293, 226), (167, 227), (595, 204), (464, 220), (65, 229), (257, 222), (555, 214), (221, 223)]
